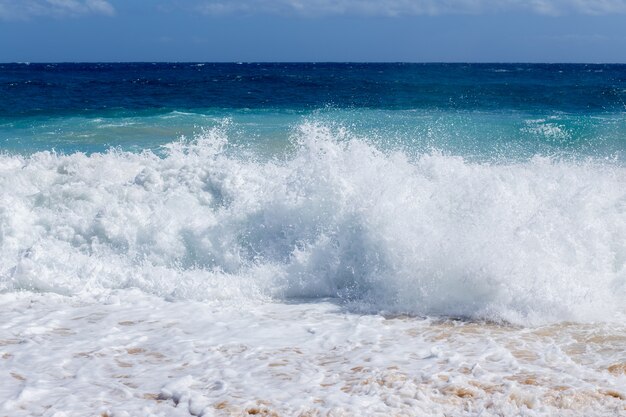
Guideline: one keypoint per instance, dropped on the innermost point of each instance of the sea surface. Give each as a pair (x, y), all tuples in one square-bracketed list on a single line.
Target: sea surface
[(312, 239)]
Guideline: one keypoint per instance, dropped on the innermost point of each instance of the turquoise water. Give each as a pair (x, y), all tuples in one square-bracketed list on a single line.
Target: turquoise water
[(472, 134)]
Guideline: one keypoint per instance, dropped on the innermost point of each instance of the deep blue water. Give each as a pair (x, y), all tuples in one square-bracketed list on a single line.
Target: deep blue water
[(49, 89)]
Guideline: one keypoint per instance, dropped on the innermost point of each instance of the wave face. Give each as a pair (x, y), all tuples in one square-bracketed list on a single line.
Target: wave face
[(428, 234)]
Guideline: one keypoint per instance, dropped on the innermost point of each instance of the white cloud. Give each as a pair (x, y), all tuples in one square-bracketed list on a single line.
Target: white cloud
[(25, 9), (410, 7)]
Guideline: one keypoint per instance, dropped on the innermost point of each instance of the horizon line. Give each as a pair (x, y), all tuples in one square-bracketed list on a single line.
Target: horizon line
[(317, 62)]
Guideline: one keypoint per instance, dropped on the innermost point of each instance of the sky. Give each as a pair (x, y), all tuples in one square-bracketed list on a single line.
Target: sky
[(313, 30)]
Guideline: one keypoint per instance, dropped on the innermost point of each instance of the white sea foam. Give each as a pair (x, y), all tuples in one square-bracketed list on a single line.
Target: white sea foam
[(550, 130), (430, 234), (132, 354)]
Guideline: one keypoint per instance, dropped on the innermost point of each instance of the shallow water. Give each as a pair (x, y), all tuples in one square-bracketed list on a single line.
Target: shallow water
[(132, 354)]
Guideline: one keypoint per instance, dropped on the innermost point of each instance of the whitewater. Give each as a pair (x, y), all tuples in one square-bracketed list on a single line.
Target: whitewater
[(332, 277)]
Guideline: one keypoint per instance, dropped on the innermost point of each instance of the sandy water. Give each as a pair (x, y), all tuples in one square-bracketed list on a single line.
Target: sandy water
[(128, 354)]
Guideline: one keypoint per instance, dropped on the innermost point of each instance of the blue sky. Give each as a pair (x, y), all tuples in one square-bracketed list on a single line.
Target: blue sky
[(313, 30)]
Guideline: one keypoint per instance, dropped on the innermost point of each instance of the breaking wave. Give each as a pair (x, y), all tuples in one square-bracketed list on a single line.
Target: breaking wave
[(431, 234)]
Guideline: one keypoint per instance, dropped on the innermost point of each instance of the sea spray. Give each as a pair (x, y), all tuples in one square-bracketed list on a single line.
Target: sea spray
[(533, 241)]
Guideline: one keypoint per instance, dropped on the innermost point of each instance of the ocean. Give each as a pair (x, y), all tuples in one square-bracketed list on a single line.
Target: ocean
[(312, 239)]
